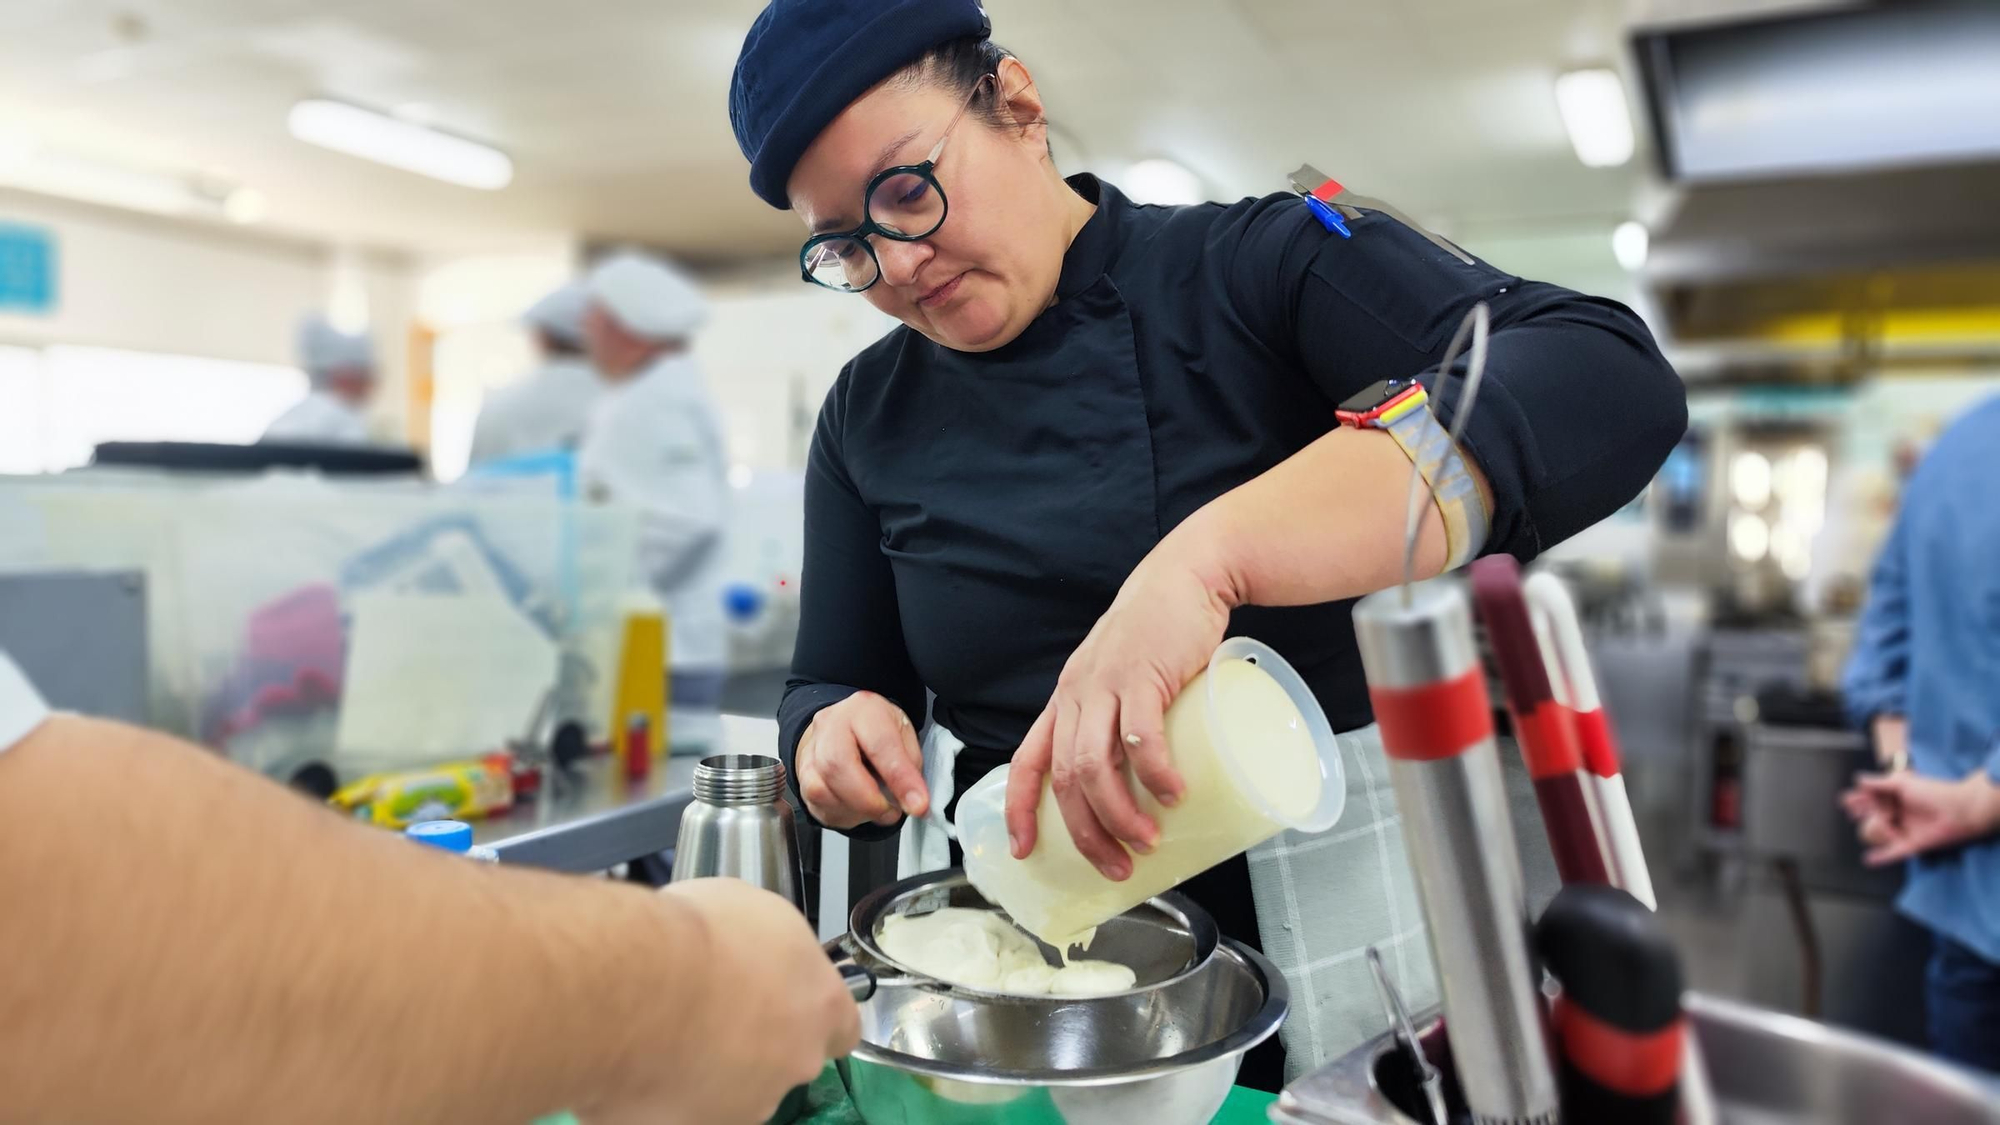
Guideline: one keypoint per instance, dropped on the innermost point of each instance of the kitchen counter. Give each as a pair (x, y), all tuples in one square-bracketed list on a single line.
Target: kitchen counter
[(600, 820)]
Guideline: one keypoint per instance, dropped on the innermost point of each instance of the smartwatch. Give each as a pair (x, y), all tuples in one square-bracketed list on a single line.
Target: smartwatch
[(1380, 403), (1401, 408)]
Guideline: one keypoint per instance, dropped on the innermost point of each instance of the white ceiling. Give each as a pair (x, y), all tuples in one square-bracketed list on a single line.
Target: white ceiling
[(614, 110)]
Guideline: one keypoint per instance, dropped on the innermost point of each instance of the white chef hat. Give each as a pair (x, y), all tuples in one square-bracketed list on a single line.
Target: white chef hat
[(560, 312), (324, 349), (648, 297)]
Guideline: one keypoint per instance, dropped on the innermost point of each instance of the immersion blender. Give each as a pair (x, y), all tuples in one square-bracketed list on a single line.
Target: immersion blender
[(1429, 693)]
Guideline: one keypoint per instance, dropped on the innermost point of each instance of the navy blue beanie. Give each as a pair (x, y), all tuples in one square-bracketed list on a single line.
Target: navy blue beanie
[(805, 61)]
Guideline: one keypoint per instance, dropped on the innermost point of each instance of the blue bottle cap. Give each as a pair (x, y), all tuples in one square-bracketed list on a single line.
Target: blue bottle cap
[(742, 601), (451, 835)]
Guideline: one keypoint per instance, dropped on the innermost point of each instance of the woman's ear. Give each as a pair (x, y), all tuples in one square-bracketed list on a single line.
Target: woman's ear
[(1019, 101)]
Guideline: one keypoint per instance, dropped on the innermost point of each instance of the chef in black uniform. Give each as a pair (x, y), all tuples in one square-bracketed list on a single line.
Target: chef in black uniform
[(1104, 437)]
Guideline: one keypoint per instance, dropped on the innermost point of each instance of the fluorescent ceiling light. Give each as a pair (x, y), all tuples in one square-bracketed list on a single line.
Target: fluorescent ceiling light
[(70, 176), (245, 205), (1592, 104), (1629, 243), (399, 144), (16, 149), (1162, 181)]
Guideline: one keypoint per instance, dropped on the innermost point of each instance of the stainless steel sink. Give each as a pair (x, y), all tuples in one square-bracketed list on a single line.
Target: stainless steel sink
[(1767, 1068)]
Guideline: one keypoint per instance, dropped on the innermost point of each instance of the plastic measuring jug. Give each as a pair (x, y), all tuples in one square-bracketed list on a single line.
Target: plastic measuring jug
[(1257, 756)]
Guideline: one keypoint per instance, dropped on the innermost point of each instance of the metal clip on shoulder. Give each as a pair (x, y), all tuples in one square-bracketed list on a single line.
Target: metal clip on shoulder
[(1333, 204)]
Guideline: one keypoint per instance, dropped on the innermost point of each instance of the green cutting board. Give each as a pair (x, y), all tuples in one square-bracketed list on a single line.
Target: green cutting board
[(827, 1104)]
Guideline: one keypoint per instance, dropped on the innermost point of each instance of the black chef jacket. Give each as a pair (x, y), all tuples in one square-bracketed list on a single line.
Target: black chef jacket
[(970, 516)]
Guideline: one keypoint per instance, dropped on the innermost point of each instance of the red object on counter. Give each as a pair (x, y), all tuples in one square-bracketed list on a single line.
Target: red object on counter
[(638, 748), (527, 780)]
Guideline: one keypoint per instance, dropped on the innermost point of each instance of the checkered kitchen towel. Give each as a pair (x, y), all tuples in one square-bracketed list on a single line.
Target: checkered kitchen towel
[(1323, 900)]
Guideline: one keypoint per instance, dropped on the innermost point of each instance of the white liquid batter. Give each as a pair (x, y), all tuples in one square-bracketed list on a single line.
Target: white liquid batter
[(978, 949)]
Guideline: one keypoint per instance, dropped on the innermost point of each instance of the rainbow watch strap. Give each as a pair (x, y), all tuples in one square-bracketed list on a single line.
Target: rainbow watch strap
[(1453, 489)]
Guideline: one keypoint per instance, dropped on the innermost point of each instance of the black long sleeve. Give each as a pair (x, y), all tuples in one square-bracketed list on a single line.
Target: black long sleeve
[(1578, 408), (850, 627)]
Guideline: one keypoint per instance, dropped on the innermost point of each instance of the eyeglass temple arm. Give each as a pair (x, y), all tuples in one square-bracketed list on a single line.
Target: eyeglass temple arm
[(938, 148)]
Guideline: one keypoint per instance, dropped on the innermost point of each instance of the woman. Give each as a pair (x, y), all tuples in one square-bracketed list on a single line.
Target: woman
[(1105, 438)]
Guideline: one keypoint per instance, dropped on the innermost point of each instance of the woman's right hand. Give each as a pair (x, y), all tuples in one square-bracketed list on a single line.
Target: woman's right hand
[(850, 753)]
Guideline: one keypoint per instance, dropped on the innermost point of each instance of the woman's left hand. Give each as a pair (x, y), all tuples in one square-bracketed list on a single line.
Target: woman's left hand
[(1109, 708)]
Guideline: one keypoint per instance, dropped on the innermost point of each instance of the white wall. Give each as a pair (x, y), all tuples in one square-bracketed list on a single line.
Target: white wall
[(770, 352), (191, 288)]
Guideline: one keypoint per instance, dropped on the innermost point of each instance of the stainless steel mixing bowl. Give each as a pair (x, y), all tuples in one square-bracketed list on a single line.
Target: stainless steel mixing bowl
[(1160, 1055)]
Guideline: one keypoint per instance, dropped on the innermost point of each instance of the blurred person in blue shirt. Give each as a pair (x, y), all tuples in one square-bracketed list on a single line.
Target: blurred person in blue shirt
[(1925, 678)]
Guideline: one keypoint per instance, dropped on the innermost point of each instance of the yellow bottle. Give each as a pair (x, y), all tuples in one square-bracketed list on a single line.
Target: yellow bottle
[(640, 688)]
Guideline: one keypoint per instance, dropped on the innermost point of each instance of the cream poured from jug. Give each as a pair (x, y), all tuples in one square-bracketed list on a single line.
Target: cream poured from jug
[(1254, 762)]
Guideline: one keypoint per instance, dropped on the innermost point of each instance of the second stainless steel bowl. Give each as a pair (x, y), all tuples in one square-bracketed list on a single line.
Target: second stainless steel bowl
[(1160, 1054)]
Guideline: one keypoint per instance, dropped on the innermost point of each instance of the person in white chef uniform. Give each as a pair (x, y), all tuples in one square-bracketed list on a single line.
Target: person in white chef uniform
[(549, 408), (341, 366), (654, 443)]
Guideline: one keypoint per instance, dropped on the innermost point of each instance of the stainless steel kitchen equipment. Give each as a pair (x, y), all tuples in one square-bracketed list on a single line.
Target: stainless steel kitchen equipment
[(1768, 1069), (740, 825), (1163, 1053), (1792, 780), (1429, 694)]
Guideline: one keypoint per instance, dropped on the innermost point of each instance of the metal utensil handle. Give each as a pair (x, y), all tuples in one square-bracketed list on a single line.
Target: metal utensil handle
[(860, 982), (1392, 1001), (1400, 1027)]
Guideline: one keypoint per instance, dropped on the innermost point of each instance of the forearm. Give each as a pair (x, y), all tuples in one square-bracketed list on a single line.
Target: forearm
[(1325, 524), (188, 942), (1983, 803)]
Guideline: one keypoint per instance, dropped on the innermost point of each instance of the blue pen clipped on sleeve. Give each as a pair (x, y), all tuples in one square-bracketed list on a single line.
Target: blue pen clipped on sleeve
[(1319, 190), (1335, 206)]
